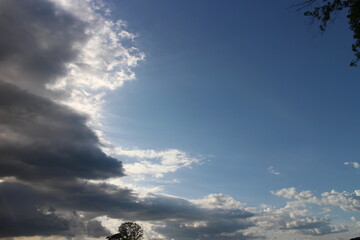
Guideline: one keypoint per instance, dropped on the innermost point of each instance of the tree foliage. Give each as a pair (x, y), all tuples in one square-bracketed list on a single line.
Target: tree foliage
[(128, 231), (327, 12)]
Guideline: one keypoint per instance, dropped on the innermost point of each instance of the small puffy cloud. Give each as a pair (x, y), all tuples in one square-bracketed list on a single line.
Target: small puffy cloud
[(291, 193), (354, 164), (219, 200), (272, 170), (288, 193)]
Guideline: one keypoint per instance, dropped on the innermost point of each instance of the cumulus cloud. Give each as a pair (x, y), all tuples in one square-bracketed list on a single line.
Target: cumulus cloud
[(296, 218), (291, 193), (219, 200), (346, 201)]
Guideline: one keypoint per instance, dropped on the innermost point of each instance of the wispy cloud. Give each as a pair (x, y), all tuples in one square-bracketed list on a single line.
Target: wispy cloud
[(155, 164), (272, 170), (354, 164)]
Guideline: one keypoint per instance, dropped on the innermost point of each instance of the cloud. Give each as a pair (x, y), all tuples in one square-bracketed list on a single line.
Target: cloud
[(95, 229), (93, 200), (37, 44), (215, 216), (296, 218), (291, 193), (155, 164), (213, 229), (354, 164), (105, 61), (286, 192), (48, 152), (271, 170), (344, 200), (213, 201), (20, 216), (42, 140)]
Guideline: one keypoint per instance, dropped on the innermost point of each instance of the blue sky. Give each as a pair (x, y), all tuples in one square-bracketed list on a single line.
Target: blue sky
[(250, 84), (197, 119)]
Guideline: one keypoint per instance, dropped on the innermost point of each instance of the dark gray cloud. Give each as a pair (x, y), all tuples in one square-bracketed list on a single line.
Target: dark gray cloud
[(20, 216), (43, 140), (43, 209), (24, 213), (38, 39), (103, 199), (95, 229)]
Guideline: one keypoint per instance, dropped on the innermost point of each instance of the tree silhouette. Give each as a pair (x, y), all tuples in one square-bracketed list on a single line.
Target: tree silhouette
[(327, 12), (128, 231)]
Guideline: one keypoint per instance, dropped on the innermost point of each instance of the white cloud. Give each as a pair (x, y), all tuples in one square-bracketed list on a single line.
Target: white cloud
[(302, 197), (154, 164), (286, 192), (344, 200), (295, 218), (218, 200), (272, 170), (103, 63), (354, 164)]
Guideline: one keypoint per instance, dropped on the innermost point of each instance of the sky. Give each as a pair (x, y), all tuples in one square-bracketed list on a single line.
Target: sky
[(204, 119)]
